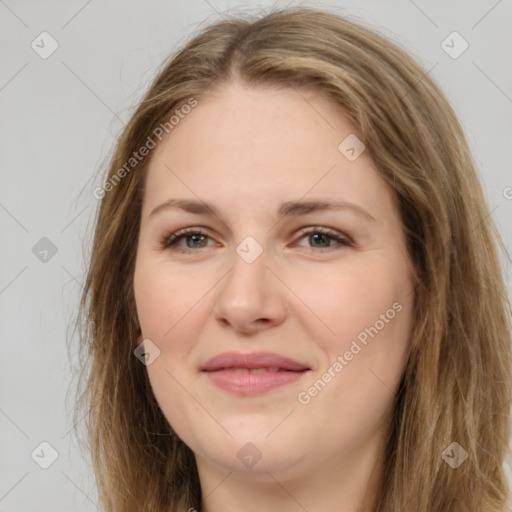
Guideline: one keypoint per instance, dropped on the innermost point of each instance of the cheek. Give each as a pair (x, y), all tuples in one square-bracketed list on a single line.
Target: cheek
[(165, 298), (373, 307), (369, 309), (172, 309), (372, 321), (167, 308), (345, 300), (365, 309)]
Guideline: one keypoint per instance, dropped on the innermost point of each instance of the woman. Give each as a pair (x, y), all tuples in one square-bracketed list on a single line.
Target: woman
[(294, 299)]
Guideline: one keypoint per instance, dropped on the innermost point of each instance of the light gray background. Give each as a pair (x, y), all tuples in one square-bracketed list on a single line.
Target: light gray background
[(59, 119)]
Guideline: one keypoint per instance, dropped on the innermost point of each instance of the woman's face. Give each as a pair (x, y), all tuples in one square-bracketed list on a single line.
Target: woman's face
[(278, 268)]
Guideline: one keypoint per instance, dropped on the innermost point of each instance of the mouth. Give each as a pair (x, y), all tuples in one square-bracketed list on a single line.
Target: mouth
[(254, 373), (257, 371)]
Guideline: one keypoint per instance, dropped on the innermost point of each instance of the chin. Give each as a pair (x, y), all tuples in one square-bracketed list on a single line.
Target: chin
[(253, 454)]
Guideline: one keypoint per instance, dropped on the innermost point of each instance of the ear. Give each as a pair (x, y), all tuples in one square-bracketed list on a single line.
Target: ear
[(138, 339)]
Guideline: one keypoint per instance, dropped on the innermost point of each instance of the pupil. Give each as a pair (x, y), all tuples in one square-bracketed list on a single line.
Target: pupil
[(316, 235), (195, 239)]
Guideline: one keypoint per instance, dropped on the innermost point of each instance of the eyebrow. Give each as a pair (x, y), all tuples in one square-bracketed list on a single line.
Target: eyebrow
[(287, 208)]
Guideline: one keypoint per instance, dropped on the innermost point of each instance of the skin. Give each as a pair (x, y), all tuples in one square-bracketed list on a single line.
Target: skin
[(246, 150)]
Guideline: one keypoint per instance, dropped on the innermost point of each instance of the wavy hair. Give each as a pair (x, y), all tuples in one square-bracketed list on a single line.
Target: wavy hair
[(457, 383)]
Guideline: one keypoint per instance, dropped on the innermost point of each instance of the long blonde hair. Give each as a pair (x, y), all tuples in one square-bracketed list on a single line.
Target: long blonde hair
[(457, 383)]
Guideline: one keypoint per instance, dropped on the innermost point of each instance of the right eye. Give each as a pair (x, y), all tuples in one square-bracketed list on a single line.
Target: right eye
[(196, 236)]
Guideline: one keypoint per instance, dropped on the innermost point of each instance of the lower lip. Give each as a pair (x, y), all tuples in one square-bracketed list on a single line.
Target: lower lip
[(252, 383)]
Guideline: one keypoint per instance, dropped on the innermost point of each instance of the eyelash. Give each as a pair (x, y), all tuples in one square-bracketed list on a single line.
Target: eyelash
[(170, 241)]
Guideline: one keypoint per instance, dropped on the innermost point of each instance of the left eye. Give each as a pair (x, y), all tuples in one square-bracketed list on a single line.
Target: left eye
[(323, 237), (195, 238)]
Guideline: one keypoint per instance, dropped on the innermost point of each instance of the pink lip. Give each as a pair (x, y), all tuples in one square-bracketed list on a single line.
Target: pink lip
[(221, 370), (251, 361)]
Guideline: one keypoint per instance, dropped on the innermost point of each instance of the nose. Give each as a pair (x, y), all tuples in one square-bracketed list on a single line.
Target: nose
[(250, 298)]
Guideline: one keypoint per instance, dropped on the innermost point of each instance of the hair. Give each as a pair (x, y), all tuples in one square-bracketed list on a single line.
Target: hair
[(457, 383)]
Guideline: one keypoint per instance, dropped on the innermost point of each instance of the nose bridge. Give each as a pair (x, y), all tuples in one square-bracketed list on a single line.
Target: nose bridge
[(248, 265), (247, 293)]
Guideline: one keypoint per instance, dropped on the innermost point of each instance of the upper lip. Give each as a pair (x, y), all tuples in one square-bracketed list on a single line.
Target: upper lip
[(252, 361)]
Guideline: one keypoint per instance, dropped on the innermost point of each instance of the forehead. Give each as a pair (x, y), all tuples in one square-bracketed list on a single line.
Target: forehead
[(261, 121), (253, 145)]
